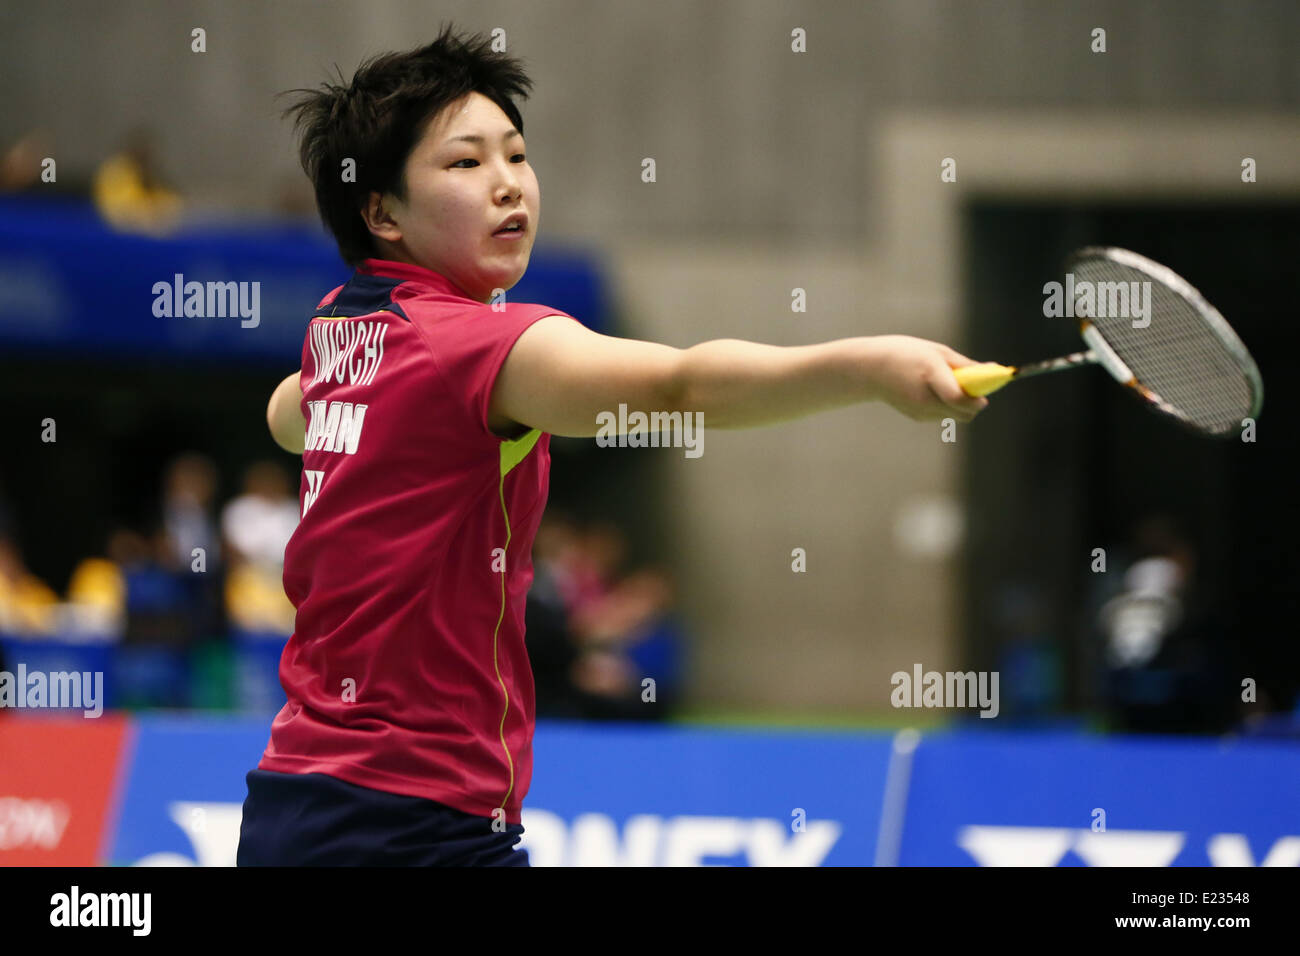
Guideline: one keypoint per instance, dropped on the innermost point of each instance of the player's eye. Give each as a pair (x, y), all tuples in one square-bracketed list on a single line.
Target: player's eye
[(516, 158)]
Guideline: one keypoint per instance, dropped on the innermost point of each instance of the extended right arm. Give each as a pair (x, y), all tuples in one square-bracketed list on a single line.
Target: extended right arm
[(560, 376)]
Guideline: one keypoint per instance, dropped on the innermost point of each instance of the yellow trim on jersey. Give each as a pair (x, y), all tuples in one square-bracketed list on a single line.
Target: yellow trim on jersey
[(516, 450), (512, 453)]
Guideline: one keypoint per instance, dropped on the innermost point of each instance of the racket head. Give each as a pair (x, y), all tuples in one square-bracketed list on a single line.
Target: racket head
[(1187, 362)]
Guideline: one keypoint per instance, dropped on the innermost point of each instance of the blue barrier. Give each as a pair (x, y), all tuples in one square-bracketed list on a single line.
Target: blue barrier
[(53, 655), (1021, 799), (69, 282), (646, 795), (639, 794), (257, 671), (185, 790)]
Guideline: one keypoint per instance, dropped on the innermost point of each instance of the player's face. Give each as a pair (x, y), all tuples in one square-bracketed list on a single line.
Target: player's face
[(459, 191)]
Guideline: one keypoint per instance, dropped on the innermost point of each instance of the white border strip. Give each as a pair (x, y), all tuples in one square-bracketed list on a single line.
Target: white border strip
[(898, 780)]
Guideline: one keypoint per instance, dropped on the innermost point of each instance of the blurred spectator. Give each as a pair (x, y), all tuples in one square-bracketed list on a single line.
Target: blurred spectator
[(627, 638), (20, 166), (194, 542), (1167, 662), (551, 649), (152, 664), (256, 602), (28, 606), (97, 598), (1029, 660), (592, 559), (593, 639), (130, 194), (190, 486), (156, 610), (257, 525)]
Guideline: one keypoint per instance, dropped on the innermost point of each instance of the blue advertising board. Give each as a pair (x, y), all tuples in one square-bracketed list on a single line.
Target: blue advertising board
[(185, 790), (601, 794), (645, 795), (675, 796), (70, 283), (1048, 800)]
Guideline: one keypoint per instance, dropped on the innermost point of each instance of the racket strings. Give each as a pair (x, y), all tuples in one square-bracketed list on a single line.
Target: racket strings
[(1179, 356)]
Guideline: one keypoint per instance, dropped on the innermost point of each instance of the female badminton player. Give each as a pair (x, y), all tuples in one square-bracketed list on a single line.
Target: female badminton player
[(423, 412)]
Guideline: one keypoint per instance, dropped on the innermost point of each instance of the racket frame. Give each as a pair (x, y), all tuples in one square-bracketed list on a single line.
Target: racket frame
[(987, 377), (1212, 317)]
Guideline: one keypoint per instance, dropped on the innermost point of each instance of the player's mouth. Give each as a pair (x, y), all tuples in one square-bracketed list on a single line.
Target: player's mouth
[(513, 227)]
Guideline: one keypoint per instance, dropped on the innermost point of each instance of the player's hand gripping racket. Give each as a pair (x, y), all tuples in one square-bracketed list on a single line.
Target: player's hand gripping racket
[(1183, 358)]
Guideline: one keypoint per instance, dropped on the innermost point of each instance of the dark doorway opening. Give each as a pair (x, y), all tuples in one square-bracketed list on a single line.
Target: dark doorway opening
[(1065, 464)]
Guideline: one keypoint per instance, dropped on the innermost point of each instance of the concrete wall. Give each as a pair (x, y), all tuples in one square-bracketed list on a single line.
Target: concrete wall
[(748, 135)]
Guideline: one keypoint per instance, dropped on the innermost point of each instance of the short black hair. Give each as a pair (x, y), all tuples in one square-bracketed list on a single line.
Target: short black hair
[(377, 119)]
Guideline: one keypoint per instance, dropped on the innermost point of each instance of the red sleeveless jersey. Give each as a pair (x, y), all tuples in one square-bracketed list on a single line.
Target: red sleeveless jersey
[(410, 568)]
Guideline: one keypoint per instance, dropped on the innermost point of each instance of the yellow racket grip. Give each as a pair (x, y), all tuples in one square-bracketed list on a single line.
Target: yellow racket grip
[(984, 378)]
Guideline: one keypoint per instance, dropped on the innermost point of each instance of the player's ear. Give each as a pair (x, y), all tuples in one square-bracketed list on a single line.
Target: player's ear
[(378, 217)]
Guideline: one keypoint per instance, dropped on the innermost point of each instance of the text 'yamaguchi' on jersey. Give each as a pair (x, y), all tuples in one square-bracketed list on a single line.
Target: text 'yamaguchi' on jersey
[(335, 344)]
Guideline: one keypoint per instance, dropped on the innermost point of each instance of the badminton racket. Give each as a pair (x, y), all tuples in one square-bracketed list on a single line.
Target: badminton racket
[(1155, 335)]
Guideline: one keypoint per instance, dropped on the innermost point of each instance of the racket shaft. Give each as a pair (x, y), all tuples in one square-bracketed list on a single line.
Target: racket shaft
[(1088, 357)]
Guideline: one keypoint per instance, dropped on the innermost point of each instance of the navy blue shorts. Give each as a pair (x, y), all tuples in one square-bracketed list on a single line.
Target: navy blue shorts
[(311, 819)]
